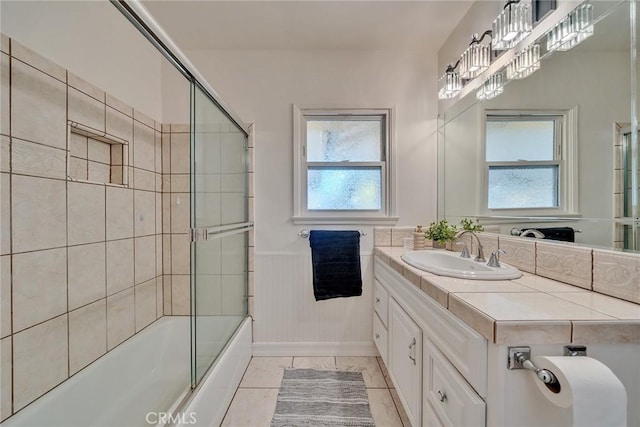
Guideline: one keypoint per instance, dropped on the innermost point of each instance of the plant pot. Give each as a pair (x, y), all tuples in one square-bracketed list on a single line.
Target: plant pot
[(437, 244)]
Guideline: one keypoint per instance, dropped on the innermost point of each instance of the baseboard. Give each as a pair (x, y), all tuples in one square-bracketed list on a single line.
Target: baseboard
[(214, 394), (314, 349)]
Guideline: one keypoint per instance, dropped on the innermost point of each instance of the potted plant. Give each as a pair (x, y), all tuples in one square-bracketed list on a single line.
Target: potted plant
[(440, 233), (469, 224)]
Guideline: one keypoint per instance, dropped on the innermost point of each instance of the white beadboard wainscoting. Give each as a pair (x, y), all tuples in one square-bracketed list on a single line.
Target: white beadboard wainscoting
[(289, 321)]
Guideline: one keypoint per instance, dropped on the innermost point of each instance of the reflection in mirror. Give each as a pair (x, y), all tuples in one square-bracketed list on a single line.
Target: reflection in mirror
[(552, 150)]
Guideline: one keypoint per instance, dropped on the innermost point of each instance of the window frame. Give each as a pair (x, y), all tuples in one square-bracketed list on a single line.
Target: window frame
[(565, 158), (383, 216)]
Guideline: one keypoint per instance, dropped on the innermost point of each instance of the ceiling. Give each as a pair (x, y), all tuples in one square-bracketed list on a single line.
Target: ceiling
[(308, 24)]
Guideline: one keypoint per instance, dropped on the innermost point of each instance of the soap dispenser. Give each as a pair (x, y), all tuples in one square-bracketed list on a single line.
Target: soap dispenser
[(419, 240)]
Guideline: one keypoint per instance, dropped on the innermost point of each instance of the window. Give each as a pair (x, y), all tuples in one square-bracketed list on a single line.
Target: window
[(529, 163), (342, 162)]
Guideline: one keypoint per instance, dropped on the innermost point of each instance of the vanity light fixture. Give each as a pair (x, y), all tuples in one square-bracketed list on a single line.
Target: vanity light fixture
[(576, 27), (524, 63), (512, 24), (491, 87), (476, 58), (449, 85)]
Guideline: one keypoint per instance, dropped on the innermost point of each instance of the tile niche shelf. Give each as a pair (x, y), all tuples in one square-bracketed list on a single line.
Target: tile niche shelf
[(96, 156)]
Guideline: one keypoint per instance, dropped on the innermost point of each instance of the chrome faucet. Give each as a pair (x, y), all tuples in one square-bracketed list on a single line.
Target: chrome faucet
[(494, 259), (480, 257)]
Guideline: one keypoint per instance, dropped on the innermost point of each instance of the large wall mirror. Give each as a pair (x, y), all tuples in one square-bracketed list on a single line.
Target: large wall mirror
[(554, 149)]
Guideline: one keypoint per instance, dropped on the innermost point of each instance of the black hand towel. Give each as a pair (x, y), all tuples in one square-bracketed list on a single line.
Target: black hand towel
[(335, 256)]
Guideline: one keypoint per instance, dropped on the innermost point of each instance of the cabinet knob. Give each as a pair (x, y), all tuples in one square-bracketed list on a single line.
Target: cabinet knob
[(443, 396), (377, 336), (377, 299)]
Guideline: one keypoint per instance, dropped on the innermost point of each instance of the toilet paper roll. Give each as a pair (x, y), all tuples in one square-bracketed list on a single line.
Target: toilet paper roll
[(588, 387)]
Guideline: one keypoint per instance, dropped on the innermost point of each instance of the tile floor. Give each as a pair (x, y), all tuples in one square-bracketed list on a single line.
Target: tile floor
[(255, 400)]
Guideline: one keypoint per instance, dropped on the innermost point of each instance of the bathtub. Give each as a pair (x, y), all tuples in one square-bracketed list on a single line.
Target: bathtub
[(132, 385)]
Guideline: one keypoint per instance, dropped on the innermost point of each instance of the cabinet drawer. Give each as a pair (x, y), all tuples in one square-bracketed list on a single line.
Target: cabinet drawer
[(452, 398), (380, 337), (381, 302)]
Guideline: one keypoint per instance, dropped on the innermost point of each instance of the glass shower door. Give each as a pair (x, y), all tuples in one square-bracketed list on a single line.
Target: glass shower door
[(219, 223)]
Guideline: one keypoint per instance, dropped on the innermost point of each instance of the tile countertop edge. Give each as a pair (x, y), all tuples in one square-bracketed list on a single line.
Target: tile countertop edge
[(606, 330)]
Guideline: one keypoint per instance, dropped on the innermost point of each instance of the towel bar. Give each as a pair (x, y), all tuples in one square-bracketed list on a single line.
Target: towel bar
[(305, 233)]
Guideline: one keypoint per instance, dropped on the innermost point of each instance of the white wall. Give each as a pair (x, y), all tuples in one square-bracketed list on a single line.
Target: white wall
[(93, 40), (262, 85)]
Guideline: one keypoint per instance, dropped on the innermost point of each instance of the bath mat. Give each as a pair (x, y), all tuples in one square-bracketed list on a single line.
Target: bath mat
[(309, 397)]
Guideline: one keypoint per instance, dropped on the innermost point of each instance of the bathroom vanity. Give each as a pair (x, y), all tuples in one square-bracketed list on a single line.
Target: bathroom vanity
[(445, 342)]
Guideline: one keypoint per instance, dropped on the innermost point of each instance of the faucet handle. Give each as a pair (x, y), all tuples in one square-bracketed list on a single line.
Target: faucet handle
[(494, 260), (465, 250)]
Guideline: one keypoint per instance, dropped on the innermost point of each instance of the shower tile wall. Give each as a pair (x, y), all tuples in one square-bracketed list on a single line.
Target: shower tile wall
[(81, 261)]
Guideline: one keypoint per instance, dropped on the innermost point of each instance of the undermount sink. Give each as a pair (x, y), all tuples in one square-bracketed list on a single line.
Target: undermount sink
[(450, 264)]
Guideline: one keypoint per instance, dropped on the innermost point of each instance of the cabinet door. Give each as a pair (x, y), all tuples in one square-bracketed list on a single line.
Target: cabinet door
[(449, 395), (405, 360)]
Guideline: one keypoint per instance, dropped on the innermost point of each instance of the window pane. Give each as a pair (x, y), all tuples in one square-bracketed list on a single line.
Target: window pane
[(513, 140), (336, 188), (523, 187), (339, 140)]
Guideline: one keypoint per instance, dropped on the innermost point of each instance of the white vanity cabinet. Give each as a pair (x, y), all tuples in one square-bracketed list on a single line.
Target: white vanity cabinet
[(437, 363), (405, 360)]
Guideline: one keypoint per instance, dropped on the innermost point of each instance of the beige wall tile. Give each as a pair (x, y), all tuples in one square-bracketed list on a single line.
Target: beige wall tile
[(5, 150), (208, 208), (143, 147), (40, 360), (382, 236), (38, 61), (159, 298), (617, 274), (38, 212), (5, 214), (180, 153), (39, 287), (87, 277), (119, 124), (166, 213), (98, 151), (145, 213), (86, 110), (180, 127), (166, 253), (166, 292), (180, 212), (145, 259), (78, 145), (98, 172), (87, 334), (166, 153), (180, 295), (86, 87), (158, 153), (4, 43), (86, 211), (233, 208), (180, 254), (542, 332), (210, 298), (5, 295), (38, 106), (38, 160), (119, 215), (78, 169), (158, 207), (489, 244), (5, 377), (158, 254), (4, 94), (520, 252), (180, 183), (234, 295), (119, 105), (399, 233), (144, 180), (145, 304), (569, 264), (119, 265), (120, 317)]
